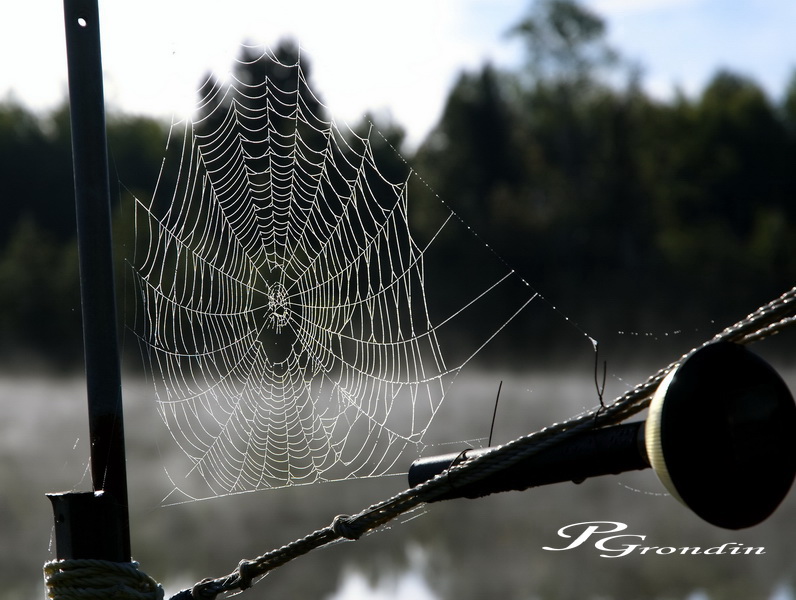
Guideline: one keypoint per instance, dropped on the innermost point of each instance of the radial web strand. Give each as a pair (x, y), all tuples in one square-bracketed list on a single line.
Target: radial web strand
[(285, 305)]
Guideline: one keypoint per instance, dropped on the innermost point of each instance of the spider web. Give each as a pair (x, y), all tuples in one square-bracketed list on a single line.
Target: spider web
[(284, 307)]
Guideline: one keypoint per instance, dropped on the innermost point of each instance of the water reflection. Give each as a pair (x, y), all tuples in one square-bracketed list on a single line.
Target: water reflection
[(407, 585), (458, 549)]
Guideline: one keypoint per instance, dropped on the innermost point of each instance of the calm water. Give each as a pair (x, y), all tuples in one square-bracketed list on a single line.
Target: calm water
[(459, 549)]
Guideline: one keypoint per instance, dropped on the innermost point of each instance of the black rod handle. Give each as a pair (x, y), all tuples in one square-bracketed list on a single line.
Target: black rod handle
[(607, 451)]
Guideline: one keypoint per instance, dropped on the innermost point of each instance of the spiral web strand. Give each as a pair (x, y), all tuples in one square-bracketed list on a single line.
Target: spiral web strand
[(283, 301)]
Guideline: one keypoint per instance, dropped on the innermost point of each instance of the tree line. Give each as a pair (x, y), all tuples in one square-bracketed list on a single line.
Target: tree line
[(628, 211), (633, 213)]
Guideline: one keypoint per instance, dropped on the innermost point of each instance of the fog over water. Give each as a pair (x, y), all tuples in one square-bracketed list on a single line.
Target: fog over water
[(458, 549)]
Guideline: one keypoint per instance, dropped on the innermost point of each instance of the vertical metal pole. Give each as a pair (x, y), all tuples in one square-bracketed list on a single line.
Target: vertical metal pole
[(100, 339)]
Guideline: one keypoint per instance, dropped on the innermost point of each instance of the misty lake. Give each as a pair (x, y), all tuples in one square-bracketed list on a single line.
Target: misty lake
[(459, 549)]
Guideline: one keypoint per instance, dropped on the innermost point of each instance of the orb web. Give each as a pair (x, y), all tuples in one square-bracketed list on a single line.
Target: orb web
[(283, 303)]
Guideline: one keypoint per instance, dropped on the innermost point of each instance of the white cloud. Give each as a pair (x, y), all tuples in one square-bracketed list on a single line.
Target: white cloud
[(400, 56), (613, 7), (366, 55)]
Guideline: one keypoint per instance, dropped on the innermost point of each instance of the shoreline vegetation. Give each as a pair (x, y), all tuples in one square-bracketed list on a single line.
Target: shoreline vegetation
[(634, 217)]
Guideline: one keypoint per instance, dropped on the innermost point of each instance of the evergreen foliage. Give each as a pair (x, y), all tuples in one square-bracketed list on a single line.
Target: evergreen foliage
[(627, 211)]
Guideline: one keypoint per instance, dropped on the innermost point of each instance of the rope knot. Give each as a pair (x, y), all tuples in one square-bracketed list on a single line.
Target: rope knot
[(343, 525), (204, 590), (246, 572)]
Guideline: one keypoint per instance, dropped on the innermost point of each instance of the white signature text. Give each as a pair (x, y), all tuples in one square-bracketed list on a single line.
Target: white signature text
[(605, 537)]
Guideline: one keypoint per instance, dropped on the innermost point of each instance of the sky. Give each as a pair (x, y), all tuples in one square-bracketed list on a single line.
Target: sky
[(394, 58)]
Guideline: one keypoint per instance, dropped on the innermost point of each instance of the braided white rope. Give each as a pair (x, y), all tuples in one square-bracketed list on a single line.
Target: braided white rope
[(88, 579)]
